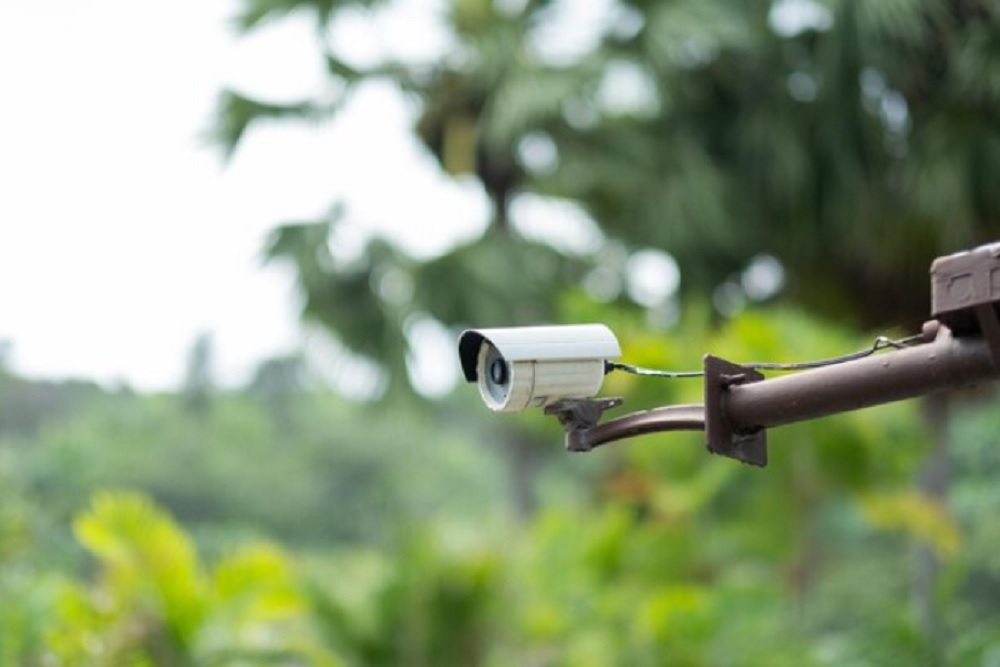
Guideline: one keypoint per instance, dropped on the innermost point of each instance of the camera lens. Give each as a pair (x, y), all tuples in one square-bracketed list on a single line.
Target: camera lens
[(496, 377), (498, 371)]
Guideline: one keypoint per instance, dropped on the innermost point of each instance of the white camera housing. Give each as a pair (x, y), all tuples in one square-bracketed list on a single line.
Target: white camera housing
[(526, 367)]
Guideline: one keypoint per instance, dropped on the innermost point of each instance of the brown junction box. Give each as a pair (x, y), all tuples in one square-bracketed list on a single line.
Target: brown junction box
[(963, 281)]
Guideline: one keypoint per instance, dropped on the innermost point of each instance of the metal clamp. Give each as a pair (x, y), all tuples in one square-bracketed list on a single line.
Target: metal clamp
[(748, 446)]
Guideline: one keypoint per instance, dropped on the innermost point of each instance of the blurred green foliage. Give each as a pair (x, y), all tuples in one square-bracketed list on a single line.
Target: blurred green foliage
[(327, 462), (853, 148), (397, 546)]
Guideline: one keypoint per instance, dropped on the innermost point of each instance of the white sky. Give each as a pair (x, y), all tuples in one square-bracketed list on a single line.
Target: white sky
[(122, 235)]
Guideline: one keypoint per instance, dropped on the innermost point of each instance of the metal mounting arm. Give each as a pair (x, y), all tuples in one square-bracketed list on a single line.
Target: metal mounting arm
[(583, 433), (740, 405)]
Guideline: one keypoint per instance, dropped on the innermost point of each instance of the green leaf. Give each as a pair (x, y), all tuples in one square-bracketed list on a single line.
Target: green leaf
[(236, 113), (139, 546)]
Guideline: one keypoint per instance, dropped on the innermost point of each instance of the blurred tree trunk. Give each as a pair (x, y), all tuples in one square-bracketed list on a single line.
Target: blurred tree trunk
[(198, 389), (523, 463), (520, 453), (933, 482)]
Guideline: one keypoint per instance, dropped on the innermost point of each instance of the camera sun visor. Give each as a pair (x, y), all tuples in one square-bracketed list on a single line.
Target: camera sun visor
[(543, 343)]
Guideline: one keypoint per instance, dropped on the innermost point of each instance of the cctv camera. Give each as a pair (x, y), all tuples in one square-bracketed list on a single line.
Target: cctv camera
[(526, 367)]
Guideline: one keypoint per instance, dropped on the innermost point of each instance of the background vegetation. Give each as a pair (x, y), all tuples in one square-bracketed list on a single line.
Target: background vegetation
[(841, 145)]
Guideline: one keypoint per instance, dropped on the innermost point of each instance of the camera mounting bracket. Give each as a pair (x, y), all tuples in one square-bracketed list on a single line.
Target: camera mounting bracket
[(579, 415)]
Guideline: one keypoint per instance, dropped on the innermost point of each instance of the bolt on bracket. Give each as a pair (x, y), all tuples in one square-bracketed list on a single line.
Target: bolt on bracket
[(721, 437)]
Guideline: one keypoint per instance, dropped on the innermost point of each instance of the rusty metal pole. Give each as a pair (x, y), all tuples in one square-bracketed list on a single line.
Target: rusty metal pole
[(946, 363)]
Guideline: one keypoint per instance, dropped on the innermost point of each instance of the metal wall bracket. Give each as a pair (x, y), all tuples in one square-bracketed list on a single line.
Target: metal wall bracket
[(748, 446)]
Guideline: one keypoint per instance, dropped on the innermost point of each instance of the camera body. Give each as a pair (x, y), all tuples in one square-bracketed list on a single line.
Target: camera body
[(525, 367)]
